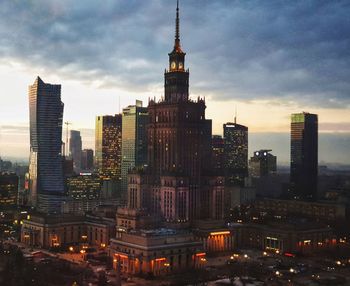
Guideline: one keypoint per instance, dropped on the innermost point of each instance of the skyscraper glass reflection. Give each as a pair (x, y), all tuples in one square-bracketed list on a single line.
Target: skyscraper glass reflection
[(46, 173), (304, 155)]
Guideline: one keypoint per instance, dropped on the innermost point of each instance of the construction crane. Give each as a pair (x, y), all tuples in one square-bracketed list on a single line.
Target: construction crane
[(66, 147)]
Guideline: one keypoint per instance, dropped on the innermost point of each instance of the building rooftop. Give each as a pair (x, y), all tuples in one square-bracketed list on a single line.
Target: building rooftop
[(157, 232)]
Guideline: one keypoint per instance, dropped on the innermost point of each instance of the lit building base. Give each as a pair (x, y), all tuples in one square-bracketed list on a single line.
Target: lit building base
[(215, 238), (284, 237), (47, 231), (156, 252)]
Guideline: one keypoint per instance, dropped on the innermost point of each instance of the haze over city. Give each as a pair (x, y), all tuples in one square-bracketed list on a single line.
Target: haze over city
[(242, 56)]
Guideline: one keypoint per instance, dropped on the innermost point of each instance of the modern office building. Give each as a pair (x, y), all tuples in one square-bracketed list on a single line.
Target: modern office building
[(304, 155), (134, 140), (236, 153), (8, 190), (218, 152), (45, 169), (87, 160), (75, 146), (85, 186), (262, 164), (108, 142)]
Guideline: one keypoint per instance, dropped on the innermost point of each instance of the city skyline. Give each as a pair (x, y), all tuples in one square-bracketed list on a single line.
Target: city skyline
[(161, 191), (88, 84)]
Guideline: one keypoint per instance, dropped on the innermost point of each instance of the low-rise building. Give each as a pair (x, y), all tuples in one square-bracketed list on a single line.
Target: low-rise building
[(291, 237), (54, 231), (328, 211), (156, 252)]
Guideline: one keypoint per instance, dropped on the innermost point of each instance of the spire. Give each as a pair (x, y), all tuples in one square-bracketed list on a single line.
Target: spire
[(177, 46), (177, 29)]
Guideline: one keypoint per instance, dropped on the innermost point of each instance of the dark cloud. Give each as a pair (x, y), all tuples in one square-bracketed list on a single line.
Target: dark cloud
[(296, 50)]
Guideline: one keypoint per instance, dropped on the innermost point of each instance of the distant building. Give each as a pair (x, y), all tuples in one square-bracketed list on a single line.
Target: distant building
[(83, 193), (287, 237), (5, 166), (263, 163), (85, 186), (75, 146), (236, 153), (45, 169), (134, 140), (275, 186), (218, 153), (108, 143), (68, 169), (304, 155), (326, 211), (241, 195), (87, 160), (8, 190)]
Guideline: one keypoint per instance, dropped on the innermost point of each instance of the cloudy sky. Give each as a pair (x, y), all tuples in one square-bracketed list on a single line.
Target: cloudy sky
[(268, 59)]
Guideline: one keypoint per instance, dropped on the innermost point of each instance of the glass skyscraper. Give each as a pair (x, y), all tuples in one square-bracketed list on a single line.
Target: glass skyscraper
[(304, 155), (236, 153), (134, 140), (108, 140), (75, 146), (45, 166), (87, 159)]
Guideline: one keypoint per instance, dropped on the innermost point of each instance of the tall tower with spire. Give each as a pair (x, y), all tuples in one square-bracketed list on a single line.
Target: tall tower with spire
[(176, 77), (177, 186)]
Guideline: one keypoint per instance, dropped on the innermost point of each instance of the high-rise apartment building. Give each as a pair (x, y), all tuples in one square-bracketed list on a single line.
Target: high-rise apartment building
[(134, 140), (8, 190), (45, 166), (87, 159), (236, 153), (304, 155), (262, 164), (108, 142), (75, 146)]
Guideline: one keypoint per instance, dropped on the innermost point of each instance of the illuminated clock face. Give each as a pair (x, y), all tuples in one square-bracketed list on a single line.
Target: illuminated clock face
[(173, 65), (181, 65)]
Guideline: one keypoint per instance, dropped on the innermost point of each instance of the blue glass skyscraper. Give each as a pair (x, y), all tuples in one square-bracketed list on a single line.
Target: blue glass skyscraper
[(45, 166)]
